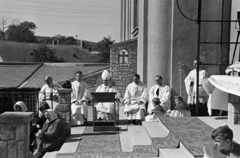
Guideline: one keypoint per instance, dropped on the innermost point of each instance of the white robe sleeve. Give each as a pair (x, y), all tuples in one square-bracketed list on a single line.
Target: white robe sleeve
[(127, 95), (166, 95), (151, 93), (144, 95), (187, 81), (202, 75), (42, 93), (86, 95), (73, 94)]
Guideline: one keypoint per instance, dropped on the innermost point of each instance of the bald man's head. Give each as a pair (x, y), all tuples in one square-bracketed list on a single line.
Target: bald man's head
[(48, 80)]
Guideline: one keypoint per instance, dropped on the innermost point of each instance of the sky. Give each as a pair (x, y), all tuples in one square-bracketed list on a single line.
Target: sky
[(88, 19)]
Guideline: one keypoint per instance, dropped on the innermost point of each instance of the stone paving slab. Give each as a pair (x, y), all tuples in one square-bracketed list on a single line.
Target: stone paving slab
[(139, 136), (126, 145), (155, 130), (172, 153)]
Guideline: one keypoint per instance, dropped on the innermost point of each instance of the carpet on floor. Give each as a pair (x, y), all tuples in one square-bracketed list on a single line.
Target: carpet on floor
[(100, 144), (191, 131)]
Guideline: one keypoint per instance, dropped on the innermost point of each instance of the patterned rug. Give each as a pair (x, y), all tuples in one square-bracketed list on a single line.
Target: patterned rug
[(106, 144), (192, 132), (100, 144)]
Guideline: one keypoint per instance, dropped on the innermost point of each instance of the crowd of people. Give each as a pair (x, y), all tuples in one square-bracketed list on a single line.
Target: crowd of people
[(139, 105)]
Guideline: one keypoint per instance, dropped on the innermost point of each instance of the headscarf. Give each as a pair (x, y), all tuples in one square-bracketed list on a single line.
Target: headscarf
[(52, 114), (106, 75), (22, 105), (44, 105)]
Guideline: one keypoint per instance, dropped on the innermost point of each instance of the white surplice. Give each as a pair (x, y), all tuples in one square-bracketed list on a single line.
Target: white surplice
[(79, 93), (47, 94), (163, 94), (191, 90), (134, 93), (106, 109)]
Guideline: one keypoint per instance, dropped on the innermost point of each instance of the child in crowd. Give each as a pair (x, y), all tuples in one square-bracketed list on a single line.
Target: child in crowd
[(180, 110), (157, 111)]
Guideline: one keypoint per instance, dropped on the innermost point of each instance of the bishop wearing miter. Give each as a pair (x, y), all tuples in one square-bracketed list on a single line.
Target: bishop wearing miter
[(105, 110)]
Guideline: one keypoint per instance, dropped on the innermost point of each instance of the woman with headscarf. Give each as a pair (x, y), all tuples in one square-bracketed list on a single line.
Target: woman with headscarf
[(20, 107), (52, 135), (105, 111)]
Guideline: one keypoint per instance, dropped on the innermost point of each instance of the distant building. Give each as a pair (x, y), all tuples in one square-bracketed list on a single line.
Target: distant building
[(23, 52)]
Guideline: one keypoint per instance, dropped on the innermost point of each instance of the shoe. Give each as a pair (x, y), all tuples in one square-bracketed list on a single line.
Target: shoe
[(140, 122), (129, 121), (134, 122)]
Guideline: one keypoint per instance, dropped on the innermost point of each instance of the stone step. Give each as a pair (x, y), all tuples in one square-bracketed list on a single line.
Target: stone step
[(50, 154), (181, 152), (156, 129), (186, 152), (138, 136), (172, 153), (125, 142), (71, 144)]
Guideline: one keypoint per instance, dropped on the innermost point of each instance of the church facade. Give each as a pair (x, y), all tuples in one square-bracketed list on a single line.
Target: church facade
[(168, 38)]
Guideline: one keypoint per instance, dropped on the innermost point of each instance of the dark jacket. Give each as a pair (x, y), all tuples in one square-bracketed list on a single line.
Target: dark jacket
[(52, 136)]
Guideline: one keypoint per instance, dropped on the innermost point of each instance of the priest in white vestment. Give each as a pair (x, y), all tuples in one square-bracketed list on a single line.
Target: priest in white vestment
[(134, 100), (49, 94), (79, 98), (191, 87), (105, 110), (160, 91)]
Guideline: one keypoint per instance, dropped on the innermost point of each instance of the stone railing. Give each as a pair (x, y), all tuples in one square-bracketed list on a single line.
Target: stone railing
[(14, 134), (65, 108)]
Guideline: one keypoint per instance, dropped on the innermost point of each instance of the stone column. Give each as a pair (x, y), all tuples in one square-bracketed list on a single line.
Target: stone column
[(159, 40), (123, 20), (233, 109), (142, 50), (65, 107), (14, 134)]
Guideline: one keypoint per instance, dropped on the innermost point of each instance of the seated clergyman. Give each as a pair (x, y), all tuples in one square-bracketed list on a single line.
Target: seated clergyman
[(105, 110), (134, 100), (79, 98), (223, 145)]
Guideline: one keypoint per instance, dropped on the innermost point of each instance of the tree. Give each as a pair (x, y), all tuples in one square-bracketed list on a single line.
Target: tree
[(104, 49), (3, 27), (42, 53), (22, 32)]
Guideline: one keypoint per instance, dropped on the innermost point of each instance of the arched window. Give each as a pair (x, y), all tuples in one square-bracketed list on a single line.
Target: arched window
[(123, 57)]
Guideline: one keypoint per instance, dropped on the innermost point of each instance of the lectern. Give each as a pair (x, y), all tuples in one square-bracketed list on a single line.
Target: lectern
[(104, 125)]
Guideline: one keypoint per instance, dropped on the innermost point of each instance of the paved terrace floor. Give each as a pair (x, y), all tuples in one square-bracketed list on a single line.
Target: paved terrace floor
[(133, 141)]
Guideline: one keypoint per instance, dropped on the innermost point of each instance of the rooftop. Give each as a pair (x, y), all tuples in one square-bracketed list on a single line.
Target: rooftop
[(22, 52), (61, 72)]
